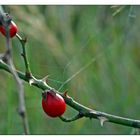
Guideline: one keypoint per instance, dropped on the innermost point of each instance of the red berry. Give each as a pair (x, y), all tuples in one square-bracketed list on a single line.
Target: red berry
[(12, 29), (53, 104)]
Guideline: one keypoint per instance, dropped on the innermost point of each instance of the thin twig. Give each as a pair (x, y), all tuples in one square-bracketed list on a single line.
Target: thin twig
[(24, 55), (5, 20), (78, 116)]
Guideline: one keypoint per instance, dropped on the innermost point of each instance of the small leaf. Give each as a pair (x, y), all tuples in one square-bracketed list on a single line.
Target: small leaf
[(102, 120)]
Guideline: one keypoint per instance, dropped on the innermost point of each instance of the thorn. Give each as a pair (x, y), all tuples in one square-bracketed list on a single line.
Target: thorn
[(31, 81), (65, 93), (45, 79), (102, 120)]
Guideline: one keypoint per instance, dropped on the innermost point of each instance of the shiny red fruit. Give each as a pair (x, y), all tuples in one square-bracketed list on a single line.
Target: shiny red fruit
[(53, 104), (12, 29)]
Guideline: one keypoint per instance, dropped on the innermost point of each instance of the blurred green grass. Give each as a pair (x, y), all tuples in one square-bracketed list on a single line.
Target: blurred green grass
[(61, 41)]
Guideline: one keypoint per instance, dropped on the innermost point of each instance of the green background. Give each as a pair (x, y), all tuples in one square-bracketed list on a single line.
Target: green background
[(63, 40)]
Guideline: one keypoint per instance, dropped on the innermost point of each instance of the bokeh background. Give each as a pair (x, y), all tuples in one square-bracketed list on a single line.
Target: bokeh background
[(62, 40)]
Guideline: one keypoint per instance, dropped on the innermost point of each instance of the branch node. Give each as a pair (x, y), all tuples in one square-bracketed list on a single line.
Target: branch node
[(6, 56), (28, 75), (21, 113), (24, 40)]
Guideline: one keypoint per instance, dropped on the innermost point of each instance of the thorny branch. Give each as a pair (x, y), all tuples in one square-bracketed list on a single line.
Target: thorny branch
[(83, 110)]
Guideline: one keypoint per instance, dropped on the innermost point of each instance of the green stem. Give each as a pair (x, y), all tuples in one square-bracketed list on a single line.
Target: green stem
[(85, 111), (24, 55), (78, 116)]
